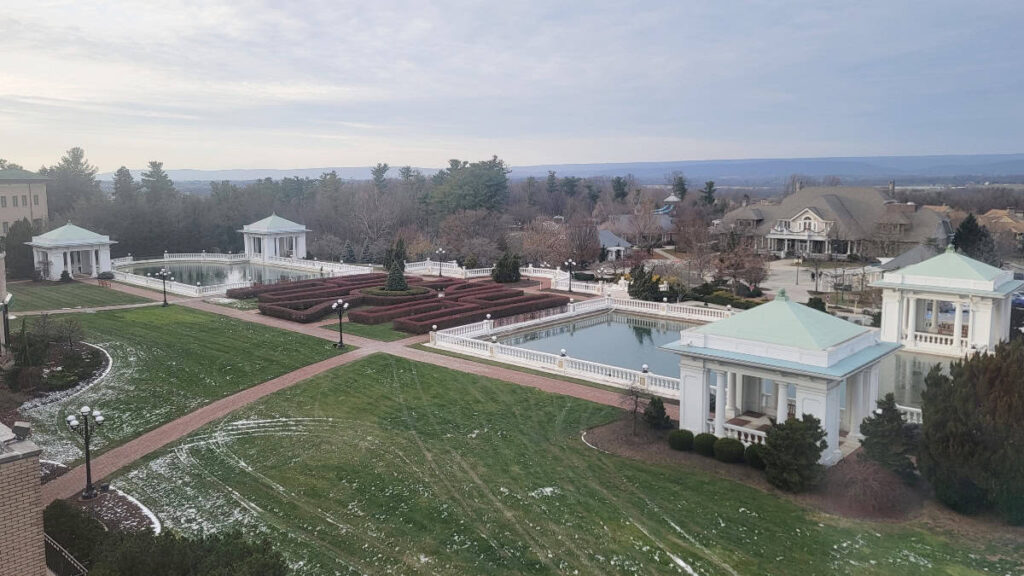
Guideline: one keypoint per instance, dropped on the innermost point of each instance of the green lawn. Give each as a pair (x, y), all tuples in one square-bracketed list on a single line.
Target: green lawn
[(168, 362), (384, 332), (31, 296), (392, 466)]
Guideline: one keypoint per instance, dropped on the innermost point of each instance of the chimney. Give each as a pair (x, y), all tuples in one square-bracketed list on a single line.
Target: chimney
[(892, 187)]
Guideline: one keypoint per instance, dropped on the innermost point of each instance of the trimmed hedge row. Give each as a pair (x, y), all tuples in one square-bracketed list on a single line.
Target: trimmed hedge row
[(681, 440), (328, 290), (305, 311), (421, 323), (704, 444), (729, 450), (257, 289), (371, 299), (384, 314)]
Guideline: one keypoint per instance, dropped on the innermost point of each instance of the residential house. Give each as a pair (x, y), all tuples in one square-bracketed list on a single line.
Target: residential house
[(836, 222)]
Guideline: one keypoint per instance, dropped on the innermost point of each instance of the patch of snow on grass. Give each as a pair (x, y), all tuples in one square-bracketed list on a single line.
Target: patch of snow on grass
[(546, 491)]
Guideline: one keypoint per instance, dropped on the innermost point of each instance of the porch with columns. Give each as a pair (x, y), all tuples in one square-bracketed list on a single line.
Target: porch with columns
[(779, 359)]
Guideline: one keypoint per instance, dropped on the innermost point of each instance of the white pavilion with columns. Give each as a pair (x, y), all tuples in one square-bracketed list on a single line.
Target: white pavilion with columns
[(779, 359), (71, 248), (949, 305), (273, 237)]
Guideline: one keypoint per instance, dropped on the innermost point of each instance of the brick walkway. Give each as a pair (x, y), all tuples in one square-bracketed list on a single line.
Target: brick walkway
[(109, 462)]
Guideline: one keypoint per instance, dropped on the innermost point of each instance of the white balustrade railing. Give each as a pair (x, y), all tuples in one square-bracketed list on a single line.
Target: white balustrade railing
[(478, 272), (928, 339), (175, 287), (911, 415), (746, 435)]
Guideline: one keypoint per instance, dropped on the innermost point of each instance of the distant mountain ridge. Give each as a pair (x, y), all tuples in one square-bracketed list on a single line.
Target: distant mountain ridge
[(723, 171)]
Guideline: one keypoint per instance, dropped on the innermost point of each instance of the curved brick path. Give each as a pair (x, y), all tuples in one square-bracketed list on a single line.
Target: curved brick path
[(113, 460)]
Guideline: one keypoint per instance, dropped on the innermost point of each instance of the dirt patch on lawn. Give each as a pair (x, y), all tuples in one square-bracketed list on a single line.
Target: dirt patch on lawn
[(115, 511)]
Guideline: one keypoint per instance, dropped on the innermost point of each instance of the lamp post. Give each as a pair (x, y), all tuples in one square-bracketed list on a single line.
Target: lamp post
[(440, 258), (340, 306), (798, 262), (7, 320), (164, 275), (86, 429), (569, 264)]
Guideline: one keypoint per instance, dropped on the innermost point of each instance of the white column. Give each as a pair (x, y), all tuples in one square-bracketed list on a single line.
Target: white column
[(720, 380), (782, 401), (912, 319), (935, 316), (958, 324), (693, 396), (730, 411), (970, 324), (847, 422)]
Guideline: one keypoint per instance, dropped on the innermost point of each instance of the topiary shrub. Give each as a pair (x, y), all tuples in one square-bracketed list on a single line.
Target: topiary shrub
[(396, 280), (65, 276), (655, 415), (704, 444), (728, 450), (792, 450), (754, 455), (681, 440)]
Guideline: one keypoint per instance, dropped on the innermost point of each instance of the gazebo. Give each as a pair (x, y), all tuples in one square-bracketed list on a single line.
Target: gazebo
[(274, 236), (779, 359), (71, 248), (923, 305)]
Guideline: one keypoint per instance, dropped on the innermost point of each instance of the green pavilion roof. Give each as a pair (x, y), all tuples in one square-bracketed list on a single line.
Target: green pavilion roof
[(953, 266), (272, 224), (68, 235), (785, 323)]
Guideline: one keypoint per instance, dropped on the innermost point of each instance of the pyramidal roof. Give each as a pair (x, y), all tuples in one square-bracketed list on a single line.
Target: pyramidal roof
[(69, 235), (951, 265), (785, 323), (274, 223)]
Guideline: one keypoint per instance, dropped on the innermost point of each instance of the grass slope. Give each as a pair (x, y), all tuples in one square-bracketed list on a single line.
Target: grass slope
[(168, 362), (32, 296), (384, 332), (392, 466)]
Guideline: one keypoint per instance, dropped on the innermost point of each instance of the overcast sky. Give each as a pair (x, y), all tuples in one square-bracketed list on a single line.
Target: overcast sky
[(276, 84)]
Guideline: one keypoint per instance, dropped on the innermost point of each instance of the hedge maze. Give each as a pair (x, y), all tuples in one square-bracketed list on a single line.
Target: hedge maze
[(444, 302)]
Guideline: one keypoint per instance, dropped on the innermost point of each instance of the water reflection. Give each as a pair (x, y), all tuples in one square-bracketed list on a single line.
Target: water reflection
[(630, 341), (210, 273)]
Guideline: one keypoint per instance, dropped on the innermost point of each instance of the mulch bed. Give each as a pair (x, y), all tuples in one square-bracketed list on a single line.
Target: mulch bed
[(115, 512)]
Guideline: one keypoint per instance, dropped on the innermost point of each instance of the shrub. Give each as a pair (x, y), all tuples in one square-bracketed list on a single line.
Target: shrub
[(704, 444), (681, 440), (507, 269), (817, 303), (74, 529), (728, 450), (396, 280), (754, 455), (65, 276), (888, 440), (791, 453), (170, 554), (655, 415), (105, 276)]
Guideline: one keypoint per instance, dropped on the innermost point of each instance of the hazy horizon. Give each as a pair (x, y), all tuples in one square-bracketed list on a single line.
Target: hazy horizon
[(225, 85)]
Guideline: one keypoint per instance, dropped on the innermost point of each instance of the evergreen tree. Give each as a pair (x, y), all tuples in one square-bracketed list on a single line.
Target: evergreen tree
[(655, 414), (396, 280), (708, 193), (365, 256), (19, 255), (817, 303), (156, 182), (73, 181), (552, 184), (507, 269), (125, 188), (679, 186), (972, 433), (888, 440), (791, 452), (399, 255), (619, 189), (380, 177), (642, 284), (349, 252), (973, 240)]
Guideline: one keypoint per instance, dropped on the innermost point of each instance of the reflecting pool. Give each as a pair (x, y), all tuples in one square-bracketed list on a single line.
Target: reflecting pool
[(630, 341), (211, 273)]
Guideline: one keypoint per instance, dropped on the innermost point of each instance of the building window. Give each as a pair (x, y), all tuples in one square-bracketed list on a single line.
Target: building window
[(14, 201), (35, 199), (3, 201), (6, 226), (24, 200)]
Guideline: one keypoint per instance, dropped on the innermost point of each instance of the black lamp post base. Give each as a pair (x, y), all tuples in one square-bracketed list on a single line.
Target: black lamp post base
[(89, 494)]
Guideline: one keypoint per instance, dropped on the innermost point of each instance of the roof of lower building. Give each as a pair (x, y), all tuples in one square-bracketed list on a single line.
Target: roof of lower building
[(610, 240), (917, 254), (19, 175), (951, 265), (786, 323), (952, 273), (69, 235), (272, 224)]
